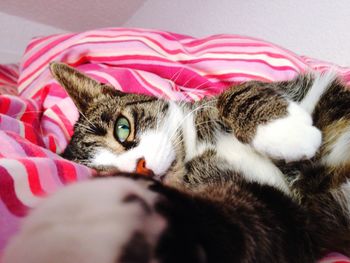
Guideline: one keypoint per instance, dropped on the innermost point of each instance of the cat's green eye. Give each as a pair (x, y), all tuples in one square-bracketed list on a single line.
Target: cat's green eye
[(122, 129)]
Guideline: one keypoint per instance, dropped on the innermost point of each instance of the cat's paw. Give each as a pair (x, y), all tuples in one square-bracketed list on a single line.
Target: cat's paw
[(290, 138), (103, 220)]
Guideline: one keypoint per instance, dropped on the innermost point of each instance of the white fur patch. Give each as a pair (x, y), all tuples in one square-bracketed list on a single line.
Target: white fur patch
[(192, 147), (125, 162), (86, 222), (253, 166), (290, 138), (340, 152), (321, 83), (155, 146), (183, 121), (190, 137)]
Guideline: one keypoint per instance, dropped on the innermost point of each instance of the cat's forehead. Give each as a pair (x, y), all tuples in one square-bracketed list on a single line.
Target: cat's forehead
[(128, 102), (130, 99)]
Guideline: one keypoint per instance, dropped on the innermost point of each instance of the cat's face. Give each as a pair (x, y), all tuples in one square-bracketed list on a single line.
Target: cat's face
[(121, 132)]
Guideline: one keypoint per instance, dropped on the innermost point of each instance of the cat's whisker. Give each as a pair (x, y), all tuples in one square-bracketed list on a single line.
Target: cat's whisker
[(177, 74), (82, 114), (199, 86), (202, 106), (178, 142), (196, 124), (187, 81), (197, 129), (87, 128), (205, 122), (158, 122), (173, 76), (202, 84), (176, 137)]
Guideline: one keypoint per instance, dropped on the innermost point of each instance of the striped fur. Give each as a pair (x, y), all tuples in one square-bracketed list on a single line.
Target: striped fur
[(41, 120), (226, 176)]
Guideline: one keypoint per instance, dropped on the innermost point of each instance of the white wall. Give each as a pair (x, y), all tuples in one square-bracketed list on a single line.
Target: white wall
[(76, 15), (15, 34), (316, 28)]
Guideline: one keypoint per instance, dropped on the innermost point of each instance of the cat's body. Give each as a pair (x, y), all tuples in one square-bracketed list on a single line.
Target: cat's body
[(246, 175)]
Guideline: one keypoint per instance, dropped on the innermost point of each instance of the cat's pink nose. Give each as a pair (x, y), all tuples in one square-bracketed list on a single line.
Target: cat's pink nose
[(141, 168)]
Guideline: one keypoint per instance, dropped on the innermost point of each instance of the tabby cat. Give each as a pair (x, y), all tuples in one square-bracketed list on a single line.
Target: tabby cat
[(259, 173)]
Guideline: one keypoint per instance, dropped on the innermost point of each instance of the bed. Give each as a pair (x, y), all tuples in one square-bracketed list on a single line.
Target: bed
[(37, 117)]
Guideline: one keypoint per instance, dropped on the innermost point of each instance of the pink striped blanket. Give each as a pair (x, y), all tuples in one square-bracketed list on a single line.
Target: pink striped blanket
[(37, 117)]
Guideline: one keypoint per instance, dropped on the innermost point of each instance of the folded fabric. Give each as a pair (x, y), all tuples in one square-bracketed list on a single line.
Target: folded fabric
[(37, 117)]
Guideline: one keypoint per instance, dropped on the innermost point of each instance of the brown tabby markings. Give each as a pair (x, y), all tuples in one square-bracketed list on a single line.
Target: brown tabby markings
[(250, 105), (318, 211)]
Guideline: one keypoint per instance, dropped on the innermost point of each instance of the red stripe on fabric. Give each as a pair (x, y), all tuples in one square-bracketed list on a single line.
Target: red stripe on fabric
[(52, 144), (41, 94), (57, 91), (145, 82), (220, 77), (31, 114), (177, 74), (29, 148), (33, 177), (46, 48), (32, 135), (36, 41), (45, 63), (38, 68), (260, 61), (116, 59), (168, 51), (66, 171), (165, 34), (223, 38), (11, 69), (5, 103), (229, 46), (8, 72), (132, 39), (8, 194), (66, 123), (158, 44), (8, 79), (266, 53)]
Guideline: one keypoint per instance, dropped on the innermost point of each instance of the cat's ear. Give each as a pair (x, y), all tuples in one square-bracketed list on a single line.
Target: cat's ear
[(81, 88)]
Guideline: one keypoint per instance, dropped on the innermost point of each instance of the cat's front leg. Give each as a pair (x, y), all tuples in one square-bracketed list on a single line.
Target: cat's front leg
[(272, 124)]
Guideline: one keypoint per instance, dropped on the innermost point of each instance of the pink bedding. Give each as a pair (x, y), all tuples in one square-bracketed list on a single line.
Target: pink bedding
[(37, 117)]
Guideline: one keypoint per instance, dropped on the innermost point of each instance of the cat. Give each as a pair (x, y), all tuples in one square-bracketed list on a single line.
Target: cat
[(258, 173)]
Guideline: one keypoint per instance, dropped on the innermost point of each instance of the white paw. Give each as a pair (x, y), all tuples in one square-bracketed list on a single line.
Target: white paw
[(88, 222), (290, 138)]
